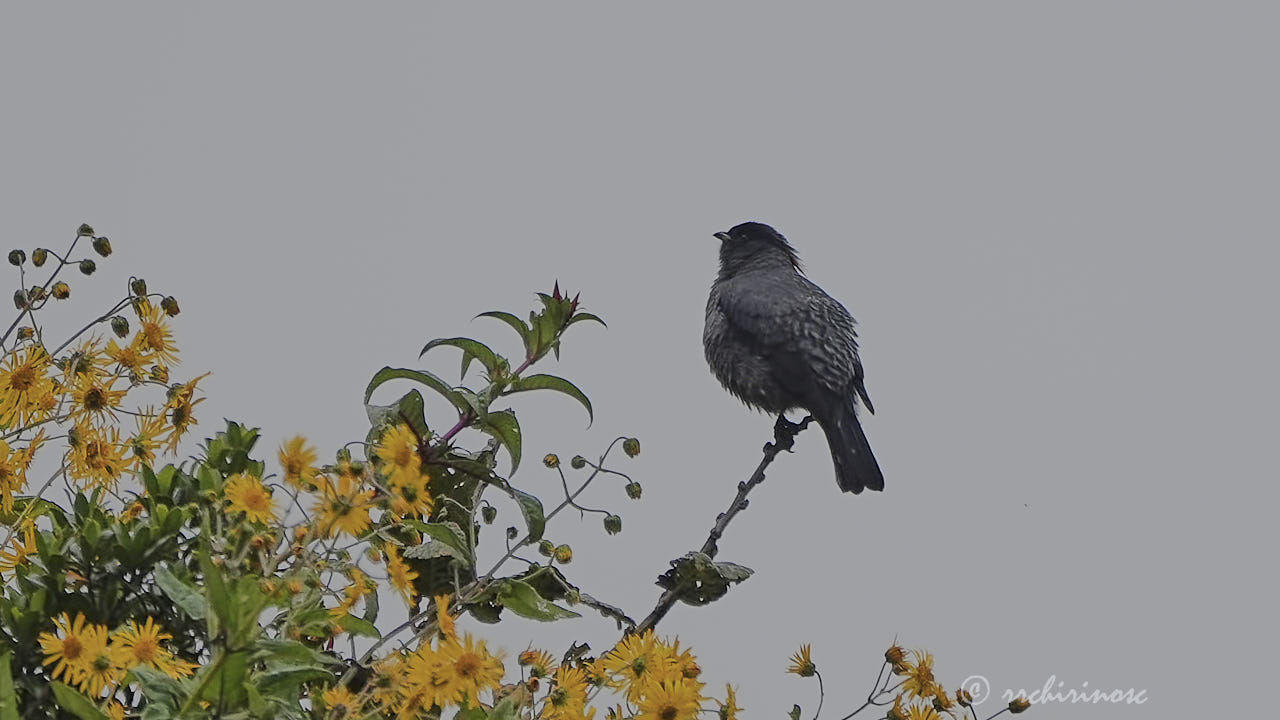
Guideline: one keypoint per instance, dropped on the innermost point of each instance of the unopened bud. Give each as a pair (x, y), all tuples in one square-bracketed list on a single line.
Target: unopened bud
[(631, 446), (38, 256), (20, 300), (488, 514), (138, 286), (85, 230), (87, 266), (964, 698), (35, 294), (61, 290), (551, 460), (546, 549), (17, 257), (1019, 704), (102, 246), (578, 462), (120, 326), (895, 655), (563, 554), (512, 533), (634, 490), (612, 524), (160, 373), (26, 333), (170, 306)]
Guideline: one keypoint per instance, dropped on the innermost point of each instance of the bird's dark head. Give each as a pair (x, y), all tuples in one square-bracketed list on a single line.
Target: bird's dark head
[(752, 245)]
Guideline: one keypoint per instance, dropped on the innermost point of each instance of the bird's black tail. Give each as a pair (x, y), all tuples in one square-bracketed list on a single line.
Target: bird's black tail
[(856, 467)]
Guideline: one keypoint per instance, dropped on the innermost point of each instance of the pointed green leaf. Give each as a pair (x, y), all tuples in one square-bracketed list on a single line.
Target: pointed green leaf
[(223, 680), (387, 374), (219, 598), (8, 696), (358, 626), (72, 701), (523, 600), (504, 427), (186, 597), (290, 652), (531, 508), (516, 324), (578, 317), (409, 410), (446, 534), (551, 382), (290, 677), (471, 350), (158, 687)]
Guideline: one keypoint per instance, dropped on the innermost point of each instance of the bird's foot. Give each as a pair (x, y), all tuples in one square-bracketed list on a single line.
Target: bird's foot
[(785, 431)]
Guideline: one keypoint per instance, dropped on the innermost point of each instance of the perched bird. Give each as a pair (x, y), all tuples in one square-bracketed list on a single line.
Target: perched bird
[(776, 341)]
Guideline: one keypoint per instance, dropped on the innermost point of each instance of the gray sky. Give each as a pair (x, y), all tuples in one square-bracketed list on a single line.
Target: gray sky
[(1056, 226)]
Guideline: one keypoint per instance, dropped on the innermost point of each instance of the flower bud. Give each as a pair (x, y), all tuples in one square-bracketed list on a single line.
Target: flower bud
[(964, 698), (61, 290), (160, 373), (85, 230), (20, 300), (102, 246), (17, 257), (563, 554), (87, 266), (512, 533), (138, 286), (634, 490), (578, 462), (26, 333), (1019, 704), (546, 549), (38, 256), (551, 460), (35, 294), (612, 524), (120, 326), (170, 306), (488, 514), (631, 446), (895, 655)]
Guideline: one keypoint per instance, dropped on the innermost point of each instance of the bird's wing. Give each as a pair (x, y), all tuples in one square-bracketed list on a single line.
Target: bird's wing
[(800, 328)]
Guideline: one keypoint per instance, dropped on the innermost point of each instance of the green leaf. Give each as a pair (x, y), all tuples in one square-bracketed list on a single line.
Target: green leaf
[(223, 681), (551, 382), (697, 579), (578, 317), (503, 426), (505, 709), (190, 600), (409, 409), (531, 508), (219, 598), (471, 350), (290, 677), (516, 324), (447, 534), (291, 652), (73, 702), (358, 626), (387, 374), (158, 687), (523, 600), (8, 696)]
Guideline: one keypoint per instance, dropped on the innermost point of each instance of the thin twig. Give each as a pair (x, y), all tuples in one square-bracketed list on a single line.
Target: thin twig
[(784, 435)]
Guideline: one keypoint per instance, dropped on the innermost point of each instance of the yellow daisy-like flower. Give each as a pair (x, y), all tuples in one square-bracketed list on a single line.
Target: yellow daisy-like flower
[(13, 469), (630, 660), (146, 438), (24, 381), (729, 709), (115, 710), (444, 620), (341, 702), (93, 396), (180, 409), (922, 712), (919, 681), (343, 507), (409, 494), (141, 645), (670, 700), (248, 495), (131, 357), (97, 456), (400, 574), (100, 667), (567, 697), (539, 662), (802, 663), (398, 450), (154, 335), (474, 668), (20, 546), (177, 668), (65, 648), (298, 461), (428, 679)]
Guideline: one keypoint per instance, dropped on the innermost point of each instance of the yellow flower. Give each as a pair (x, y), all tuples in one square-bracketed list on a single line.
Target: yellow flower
[(24, 381), (175, 667), (428, 679), (802, 663), (146, 438), (115, 710), (65, 648), (343, 507), (97, 456), (140, 645), (20, 546), (154, 335), (670, 700), (567, 697), (179, 408), (409, 495), (539, 662), (248, 495), (131, 356), (919, 681), (13, 469), (341, 702), (400, 574), (398, 450), (92, 396), (474, 668), (100, 666), (631, 659), (729, 709), (298, 461), (922, 712), (444, 620)]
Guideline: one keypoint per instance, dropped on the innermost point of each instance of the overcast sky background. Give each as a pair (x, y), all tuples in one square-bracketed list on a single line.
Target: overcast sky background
[(1056, 225)]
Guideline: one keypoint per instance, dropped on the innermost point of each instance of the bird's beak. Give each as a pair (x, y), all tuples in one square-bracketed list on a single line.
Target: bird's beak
[(722, 236)]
